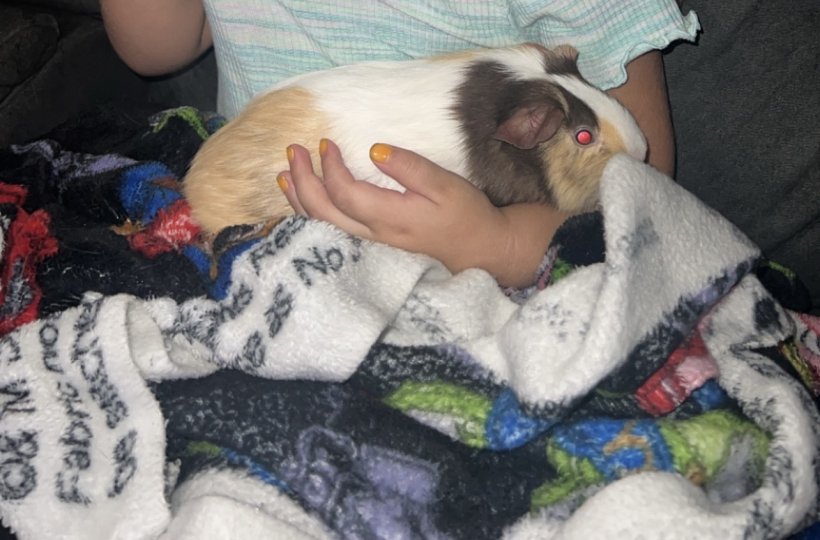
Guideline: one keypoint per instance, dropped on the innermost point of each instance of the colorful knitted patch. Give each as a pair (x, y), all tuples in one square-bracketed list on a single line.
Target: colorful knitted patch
[(603, 450), (25, 243)]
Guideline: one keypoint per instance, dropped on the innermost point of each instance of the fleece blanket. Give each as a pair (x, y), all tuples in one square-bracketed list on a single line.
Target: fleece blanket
[(297, 382)]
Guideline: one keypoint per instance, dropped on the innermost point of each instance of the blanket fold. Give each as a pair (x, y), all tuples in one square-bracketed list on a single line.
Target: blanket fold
[(304, 382)]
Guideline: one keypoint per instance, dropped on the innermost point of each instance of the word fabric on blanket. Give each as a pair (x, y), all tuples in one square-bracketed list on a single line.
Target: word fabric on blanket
[(303, 383)]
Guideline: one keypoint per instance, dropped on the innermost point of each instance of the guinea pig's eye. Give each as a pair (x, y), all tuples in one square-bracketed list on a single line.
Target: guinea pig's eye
[(583, 136)]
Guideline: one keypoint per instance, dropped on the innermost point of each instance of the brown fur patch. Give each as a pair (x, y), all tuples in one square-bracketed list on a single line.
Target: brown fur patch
[(574, 172), (508, 174), (232, 179)]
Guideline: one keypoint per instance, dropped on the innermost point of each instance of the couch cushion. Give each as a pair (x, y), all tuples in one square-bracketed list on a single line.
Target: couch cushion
[(746, 107), (76, 6)]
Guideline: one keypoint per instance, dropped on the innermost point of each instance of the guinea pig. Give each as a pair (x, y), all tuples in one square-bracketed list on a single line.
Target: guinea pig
[(520, 123)]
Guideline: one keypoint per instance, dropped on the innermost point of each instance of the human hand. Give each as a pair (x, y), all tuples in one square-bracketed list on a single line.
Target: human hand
[(440, 214)]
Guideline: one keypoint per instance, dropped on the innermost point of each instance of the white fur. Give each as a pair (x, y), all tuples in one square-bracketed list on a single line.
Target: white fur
[(406, 104)]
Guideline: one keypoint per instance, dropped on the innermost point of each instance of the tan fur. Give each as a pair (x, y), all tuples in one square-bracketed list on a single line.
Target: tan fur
[(455, 56), (466, 55), (254, 142), (574, 172)]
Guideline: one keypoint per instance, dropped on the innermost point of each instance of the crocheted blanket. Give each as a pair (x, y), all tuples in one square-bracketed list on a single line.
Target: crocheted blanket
[(299, 382)]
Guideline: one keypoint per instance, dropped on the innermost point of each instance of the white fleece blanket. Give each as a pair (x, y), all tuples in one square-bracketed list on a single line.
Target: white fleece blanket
[(82, 437)]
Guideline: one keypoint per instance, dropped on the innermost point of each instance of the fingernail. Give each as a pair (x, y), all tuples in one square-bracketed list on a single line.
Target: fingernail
[(282, 181), (291, 153), (322, 147), (380, 153)]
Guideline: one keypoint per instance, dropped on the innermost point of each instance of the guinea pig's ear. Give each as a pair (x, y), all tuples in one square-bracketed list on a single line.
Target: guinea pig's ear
[(566, 51), (532, 124)]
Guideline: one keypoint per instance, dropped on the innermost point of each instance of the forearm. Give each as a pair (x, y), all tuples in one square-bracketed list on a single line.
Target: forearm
[(644, 94), (155, 37)]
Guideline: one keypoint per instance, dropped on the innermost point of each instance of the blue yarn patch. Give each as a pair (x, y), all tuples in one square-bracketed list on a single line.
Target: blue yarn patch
[(220, 286), (141, 197), (508, 427), (710, 396), (616, 447)]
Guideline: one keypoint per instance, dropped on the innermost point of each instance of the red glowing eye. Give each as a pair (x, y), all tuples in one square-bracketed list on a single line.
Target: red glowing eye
[(583, 137)]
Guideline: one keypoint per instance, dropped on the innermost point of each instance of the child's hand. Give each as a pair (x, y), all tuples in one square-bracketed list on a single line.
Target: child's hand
[(440, 214)]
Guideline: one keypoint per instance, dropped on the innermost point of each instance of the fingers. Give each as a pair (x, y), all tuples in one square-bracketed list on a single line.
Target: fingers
[(362, 201), (367, 210), (306, 192), (285, 182), (416, 173)]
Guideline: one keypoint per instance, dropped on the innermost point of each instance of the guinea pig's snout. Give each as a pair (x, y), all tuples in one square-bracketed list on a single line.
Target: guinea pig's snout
[(633, 138), (638, 147)]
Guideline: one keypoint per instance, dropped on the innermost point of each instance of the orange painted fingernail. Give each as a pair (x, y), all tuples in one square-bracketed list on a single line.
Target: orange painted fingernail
[(380, 153), (322, 147), (282, 181), (291, 153)]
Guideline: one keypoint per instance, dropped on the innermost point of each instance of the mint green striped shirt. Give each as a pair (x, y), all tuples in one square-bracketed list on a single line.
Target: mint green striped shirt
[(260, 42)]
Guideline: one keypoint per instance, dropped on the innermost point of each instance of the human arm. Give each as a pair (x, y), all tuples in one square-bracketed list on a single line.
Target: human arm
[(644, 95), (155, 37)]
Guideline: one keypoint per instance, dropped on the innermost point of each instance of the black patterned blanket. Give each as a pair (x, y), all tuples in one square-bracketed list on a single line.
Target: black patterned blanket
[(298, 382)]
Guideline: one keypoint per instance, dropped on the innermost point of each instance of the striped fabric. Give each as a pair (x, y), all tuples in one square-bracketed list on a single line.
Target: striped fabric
[(260, 42)]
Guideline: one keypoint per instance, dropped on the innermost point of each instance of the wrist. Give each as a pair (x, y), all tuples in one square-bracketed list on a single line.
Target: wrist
[(524, 239)]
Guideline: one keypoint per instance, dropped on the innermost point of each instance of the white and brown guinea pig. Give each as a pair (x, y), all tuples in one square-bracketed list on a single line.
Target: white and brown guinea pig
[(520, 123)]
